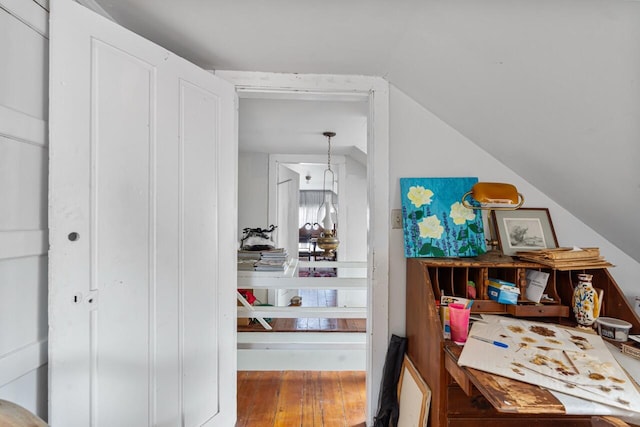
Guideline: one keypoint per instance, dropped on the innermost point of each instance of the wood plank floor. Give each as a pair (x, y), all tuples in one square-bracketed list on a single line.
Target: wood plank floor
[(301, 399), (309, 325)]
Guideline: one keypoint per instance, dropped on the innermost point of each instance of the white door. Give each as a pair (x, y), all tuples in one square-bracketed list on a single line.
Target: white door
[(288, 206), (143, 150)]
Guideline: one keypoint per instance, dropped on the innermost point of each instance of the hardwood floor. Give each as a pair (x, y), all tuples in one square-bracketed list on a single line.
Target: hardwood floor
[(309, 325), (301, 399)]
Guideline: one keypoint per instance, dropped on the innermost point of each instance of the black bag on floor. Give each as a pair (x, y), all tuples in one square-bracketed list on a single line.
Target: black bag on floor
[(388, 407)]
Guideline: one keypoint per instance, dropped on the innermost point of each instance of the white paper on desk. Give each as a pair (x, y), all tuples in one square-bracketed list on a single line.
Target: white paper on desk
[(536, 284), (577, 406), (527, 345)]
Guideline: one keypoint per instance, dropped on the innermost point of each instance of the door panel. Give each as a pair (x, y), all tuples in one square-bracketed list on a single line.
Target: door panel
[(199, 318), (122, 279), (143, 169)]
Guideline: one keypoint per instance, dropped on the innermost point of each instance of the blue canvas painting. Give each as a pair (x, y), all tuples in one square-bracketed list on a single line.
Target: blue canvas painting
[(435, 223)]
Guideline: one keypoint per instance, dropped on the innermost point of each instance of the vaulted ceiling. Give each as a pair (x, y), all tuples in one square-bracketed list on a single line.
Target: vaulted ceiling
[(549, 87)]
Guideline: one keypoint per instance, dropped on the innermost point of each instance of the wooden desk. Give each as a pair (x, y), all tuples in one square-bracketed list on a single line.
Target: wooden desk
[(468, 397)]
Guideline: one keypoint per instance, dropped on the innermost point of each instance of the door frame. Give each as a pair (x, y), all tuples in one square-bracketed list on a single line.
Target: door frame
[(376, 89)]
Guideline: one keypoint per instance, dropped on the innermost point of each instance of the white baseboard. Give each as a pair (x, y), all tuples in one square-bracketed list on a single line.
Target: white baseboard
[(301, 351)]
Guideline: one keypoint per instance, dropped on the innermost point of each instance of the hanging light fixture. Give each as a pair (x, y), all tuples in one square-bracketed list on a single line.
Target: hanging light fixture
[(327, 213)]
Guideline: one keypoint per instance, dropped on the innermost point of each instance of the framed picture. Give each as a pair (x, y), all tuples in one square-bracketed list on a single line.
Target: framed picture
[(414, 397), (434, 221), (524, 229)]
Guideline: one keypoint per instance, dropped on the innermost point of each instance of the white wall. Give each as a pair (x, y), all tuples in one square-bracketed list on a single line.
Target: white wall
[(253, 196), (423, 145), (355, 247), (23, 203), (356, 207), (253, 190)]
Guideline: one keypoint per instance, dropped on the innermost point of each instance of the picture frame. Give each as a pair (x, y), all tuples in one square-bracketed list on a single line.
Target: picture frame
[(414, 397), (524, 229)]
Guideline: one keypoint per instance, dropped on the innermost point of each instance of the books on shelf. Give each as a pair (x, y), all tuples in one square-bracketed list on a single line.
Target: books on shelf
[(246, 264), (249, 255), (263, 265), (269, 260)]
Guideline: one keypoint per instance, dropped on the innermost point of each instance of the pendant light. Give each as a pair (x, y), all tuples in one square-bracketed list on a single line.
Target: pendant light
[(327, 213)]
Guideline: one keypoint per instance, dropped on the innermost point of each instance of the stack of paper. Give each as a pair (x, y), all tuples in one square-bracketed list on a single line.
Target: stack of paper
[(569, 361), (536, 284), (566, 258)]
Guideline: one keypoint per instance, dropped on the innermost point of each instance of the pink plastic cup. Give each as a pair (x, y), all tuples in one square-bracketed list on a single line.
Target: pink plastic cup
[(459, 321)]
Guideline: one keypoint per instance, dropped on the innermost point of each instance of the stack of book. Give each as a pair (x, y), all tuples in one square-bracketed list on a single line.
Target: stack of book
[(566, 258), (273, 260), (269, 260)]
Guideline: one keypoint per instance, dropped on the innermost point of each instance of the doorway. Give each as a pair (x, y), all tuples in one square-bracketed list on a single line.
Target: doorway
[(315, 87), (298, 158)]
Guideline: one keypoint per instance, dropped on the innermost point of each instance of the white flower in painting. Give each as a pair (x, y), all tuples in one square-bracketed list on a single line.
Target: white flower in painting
[(460, 214), (431, 227), (419, 196)]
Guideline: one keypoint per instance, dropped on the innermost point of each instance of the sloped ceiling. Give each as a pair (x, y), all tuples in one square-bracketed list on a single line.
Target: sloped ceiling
[(549, 87)]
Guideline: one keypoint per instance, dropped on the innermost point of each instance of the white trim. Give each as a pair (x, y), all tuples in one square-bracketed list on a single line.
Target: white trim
[(302, 360), (22, 243), (21, 361), (377, 90), (313, 351), (30, 13), (378, 240), (320, 84), (302, 282), (246, 338), (297, 345), (332, 264), (22, 127), (43, 3)]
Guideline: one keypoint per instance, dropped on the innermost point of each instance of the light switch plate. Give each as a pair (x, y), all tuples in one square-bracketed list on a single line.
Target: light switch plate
[(396, 218)]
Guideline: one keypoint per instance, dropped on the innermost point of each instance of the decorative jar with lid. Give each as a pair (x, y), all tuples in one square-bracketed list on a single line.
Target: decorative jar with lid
[(586, 301)]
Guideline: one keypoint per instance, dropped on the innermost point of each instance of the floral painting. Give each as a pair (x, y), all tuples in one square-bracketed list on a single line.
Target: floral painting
[(435, 223)]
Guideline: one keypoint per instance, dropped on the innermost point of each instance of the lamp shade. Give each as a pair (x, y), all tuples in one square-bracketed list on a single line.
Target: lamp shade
[(327, 212), (494, 193)]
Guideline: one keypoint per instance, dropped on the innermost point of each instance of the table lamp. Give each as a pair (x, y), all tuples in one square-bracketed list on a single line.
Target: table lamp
[(493, 196)]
